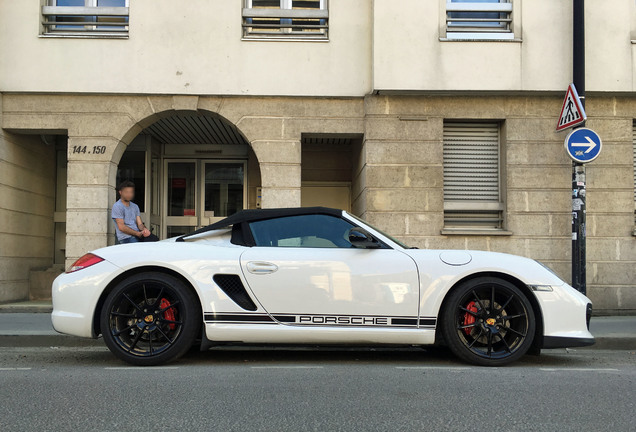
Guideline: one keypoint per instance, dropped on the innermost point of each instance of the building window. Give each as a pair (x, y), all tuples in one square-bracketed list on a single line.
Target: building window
[(472, 173), (286, 19), (101, 18), (479, 19)]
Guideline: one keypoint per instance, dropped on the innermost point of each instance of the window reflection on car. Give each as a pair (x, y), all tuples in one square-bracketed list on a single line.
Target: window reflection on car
[(308, 231)]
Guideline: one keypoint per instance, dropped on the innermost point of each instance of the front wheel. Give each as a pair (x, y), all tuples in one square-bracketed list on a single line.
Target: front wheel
[(488, 322), (150, 318)]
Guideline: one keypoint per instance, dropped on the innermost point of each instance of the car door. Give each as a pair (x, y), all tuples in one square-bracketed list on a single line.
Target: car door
[(304, 271)]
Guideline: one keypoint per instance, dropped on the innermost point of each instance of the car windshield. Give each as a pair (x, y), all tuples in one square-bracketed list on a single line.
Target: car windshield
[(393, 239)]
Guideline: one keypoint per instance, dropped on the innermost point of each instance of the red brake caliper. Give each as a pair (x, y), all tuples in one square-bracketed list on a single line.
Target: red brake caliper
[(468, 318), (169, 313)]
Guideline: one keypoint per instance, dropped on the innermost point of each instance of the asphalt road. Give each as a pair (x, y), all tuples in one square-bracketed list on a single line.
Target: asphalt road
[(86, 388)]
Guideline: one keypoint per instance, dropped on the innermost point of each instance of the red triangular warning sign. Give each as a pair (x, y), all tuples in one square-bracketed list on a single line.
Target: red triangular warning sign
[(572, 112)]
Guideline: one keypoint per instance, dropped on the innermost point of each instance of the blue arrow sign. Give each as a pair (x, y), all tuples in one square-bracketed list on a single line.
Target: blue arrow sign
[(583, 145)]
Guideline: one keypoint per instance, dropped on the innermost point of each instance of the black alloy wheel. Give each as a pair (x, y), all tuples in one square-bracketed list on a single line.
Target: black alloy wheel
[(488, 322), (150, 319)]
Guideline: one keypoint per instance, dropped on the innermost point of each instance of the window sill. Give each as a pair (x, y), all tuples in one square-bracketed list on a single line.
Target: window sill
[(515, 40), (283, 39), (475, 232), (82, 36)]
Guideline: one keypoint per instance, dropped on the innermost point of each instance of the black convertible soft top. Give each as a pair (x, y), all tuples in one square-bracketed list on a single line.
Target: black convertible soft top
[(262, 214)]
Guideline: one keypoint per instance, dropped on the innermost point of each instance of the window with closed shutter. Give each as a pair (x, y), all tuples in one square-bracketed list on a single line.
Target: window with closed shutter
[(85, 18), (479, 19), (286, 19), (472, 197)]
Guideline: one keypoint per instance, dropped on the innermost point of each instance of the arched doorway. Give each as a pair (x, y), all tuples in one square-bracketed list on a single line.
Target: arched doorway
[(190, 169)]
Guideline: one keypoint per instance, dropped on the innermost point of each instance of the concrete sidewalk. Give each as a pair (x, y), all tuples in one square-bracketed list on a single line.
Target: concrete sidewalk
[(614, 332), (27, 306), (21, 329), (29, 324)]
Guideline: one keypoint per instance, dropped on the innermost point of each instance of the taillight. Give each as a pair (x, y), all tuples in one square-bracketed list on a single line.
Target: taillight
[(85, 261)]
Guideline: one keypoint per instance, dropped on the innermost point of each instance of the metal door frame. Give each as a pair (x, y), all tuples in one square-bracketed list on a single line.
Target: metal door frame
[(199, 191)]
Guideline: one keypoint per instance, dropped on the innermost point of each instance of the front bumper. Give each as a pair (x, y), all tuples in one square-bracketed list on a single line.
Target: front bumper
[(566, 342), (75, 296), (566, 317)]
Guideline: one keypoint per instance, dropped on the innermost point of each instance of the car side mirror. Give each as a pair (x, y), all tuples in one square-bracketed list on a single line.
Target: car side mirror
[(361, 238)]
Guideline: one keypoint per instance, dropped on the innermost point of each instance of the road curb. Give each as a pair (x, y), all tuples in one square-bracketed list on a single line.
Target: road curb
[(27, 306), (614, 343), (11, 309)]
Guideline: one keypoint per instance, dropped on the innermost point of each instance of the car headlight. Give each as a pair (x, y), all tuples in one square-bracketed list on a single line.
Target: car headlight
[(548, 268)]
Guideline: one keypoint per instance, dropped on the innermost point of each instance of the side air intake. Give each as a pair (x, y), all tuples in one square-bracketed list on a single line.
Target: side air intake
[(232, 286)]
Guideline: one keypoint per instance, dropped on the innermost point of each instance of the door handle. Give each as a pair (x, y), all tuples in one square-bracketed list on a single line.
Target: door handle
[(260, 267)]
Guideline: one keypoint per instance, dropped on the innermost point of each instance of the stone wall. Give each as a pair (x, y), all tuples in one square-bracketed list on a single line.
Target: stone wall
[(273, 126), (397, 178), (27, 203), (404, 182)]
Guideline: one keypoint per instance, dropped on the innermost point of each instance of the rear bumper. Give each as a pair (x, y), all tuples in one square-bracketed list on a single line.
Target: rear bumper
[(566, 342), (75, 296)]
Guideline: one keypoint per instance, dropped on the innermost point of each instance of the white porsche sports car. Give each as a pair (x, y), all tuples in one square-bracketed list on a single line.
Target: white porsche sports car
[(313, 276)]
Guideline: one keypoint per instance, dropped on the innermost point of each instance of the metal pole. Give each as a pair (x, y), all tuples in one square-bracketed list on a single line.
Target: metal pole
[(578, 170)]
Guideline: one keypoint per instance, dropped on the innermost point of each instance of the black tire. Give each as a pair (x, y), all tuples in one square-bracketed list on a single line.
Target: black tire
[(150, 319), (483, 335)]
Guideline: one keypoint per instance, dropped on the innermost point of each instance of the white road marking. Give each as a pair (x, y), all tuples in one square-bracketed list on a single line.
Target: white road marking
[(579, 369), (13, 369), (451, 368), (140, 367), (286, 367)]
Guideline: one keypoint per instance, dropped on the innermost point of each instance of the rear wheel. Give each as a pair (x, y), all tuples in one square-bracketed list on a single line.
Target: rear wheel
[(150, 319), (488, 322)]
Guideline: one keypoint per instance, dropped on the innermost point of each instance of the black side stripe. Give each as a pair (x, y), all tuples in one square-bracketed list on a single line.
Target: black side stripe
[(285, 318), (239, 318), (247, 318), (404, 321)]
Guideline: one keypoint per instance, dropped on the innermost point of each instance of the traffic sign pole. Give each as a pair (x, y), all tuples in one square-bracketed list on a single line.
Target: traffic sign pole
[(578, 228), (583, 145), (578, 169)]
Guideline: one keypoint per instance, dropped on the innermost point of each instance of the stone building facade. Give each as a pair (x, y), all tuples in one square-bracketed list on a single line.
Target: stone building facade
[(347, 128)]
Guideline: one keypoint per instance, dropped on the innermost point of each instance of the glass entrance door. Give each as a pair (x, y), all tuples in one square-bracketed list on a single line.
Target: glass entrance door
[(200, 192), (223, 190), (181, 187)]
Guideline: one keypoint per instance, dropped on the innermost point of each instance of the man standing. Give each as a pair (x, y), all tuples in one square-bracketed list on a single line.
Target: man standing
[(128, 224)]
